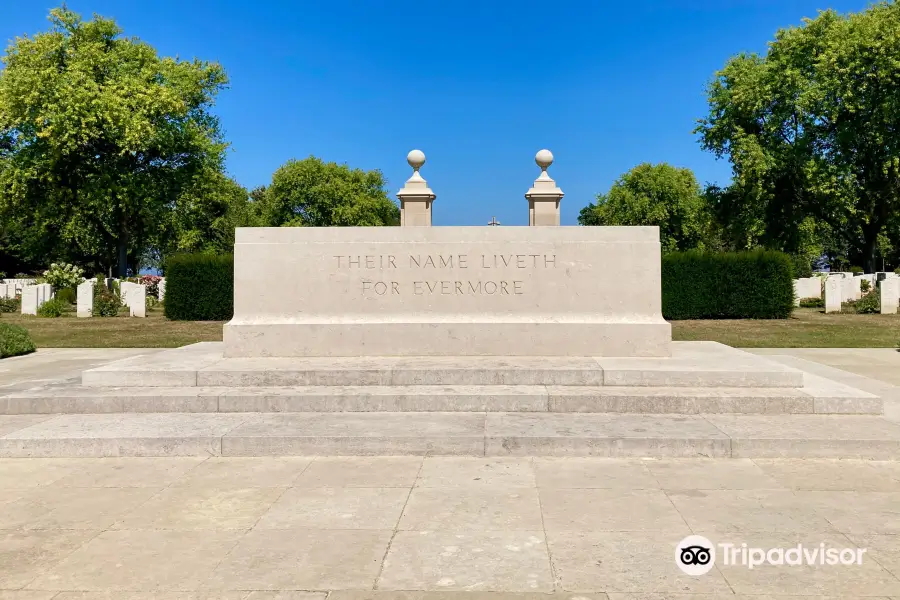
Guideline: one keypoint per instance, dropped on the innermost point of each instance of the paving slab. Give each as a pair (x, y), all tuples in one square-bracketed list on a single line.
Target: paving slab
[(399, 398), (700, 364), (833, 475), (26, 555), (855, 581), (449, 471), (810, 436), (534, 434), (302, 559), (358, 434), (700, 474), (50, 365), (175, 434), (472, 509), (683, 400), (336, 508), (401, 371), (626, 561), (361, 471), (512, 561), (143, 560), (171, 367)]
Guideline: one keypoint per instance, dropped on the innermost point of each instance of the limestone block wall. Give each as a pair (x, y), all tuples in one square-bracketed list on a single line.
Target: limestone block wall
[(429, 291)]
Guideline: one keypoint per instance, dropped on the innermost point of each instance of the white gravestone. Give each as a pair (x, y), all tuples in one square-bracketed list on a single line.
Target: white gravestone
[(29, 300), (807, 287), (851, 289), (7, 290), (889, 295), (134, 295), (85, 306), (833, 290), (161, 287)]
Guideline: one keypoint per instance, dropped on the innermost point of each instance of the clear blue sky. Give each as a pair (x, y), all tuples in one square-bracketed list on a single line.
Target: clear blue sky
[(478, 85)]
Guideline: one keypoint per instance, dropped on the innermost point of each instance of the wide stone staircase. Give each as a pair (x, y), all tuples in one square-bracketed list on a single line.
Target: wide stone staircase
[(706, 400)]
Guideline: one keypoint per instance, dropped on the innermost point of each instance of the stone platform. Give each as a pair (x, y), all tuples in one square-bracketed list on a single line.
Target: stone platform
[(707, 399)]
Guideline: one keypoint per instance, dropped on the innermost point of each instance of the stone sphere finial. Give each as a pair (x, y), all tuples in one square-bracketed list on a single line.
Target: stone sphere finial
[(416, 158), (544, 158)]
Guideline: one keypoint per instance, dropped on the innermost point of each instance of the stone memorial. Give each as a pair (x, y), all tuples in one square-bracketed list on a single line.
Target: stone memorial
[(134, 296), (833, 293), (451, 291), (482, 341), (889, 295), (85, 299)]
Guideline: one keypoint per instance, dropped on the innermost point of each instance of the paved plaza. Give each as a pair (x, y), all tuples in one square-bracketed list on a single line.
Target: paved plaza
[(441, 528), (249, 527)]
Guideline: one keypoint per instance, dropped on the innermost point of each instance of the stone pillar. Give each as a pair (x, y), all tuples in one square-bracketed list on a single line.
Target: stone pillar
[(544, 196), (85, 302), (134, 296), (415, 197), (889, 295), (833, 290), (30, 300)]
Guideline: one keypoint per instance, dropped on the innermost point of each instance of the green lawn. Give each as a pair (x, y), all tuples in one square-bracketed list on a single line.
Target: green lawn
[(155, 331), (809, 327)]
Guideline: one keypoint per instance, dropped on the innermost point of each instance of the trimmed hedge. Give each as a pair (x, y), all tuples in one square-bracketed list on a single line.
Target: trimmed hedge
[(756, 284), (199, 287), (14, 340)]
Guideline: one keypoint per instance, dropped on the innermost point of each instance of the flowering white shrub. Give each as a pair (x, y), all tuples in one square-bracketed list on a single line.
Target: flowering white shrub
[(63, 275)]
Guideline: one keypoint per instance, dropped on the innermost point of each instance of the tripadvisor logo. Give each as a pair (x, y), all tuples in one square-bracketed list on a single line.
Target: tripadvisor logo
[(696, 555)]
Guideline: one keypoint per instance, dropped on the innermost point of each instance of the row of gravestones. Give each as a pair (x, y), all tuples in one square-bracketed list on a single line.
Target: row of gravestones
[(134, 295), (836, 288)]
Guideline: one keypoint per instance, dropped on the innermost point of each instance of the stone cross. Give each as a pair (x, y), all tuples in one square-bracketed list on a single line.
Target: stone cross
[(544, 196), (415, 197), (493, 222)]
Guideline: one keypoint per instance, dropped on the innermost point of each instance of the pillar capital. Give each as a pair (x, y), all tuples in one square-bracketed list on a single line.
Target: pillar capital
[(415, 197), (544, 196)]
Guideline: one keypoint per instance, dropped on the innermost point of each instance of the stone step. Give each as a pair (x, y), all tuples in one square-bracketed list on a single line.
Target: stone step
[(693, 364), (474, 434), (74, 399)]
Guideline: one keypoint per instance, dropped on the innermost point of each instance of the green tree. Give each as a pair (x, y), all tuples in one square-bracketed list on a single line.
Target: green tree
[(661, 195), (811, 130), (206, 215), (314, 193), (99, 136)]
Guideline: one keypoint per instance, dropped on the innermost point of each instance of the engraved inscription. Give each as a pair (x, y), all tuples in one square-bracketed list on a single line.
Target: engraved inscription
[(491, 278)]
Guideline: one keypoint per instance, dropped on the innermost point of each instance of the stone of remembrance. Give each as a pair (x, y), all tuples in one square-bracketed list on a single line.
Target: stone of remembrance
[(458, 291)]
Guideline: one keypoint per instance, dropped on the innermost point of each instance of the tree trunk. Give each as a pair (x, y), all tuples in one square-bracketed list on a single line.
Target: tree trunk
[(870, 242)]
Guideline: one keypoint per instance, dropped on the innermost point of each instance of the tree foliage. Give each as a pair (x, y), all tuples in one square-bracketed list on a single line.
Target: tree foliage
[(314, 193), (99, 136), (661, 195), (811, 130)]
